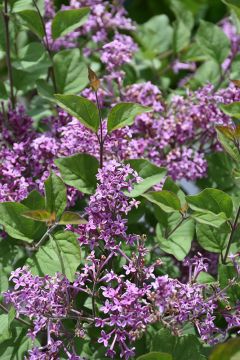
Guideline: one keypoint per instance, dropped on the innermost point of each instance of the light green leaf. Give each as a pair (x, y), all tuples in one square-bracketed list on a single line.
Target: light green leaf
[(179, 243), (38, 215), (55, 195), (67, 21), (33, 58), (205, 278), (70, 72), (123, 114), (181, 36), (215, 220), (82, 109), (5, 333), (15, 224), (79, 171), (33, 22), (228, 144), (69, 217), (166, 200), (229, 350), (213, 41), (45, 90), (60, 254), (212, 239), (150, 173), (232, 109)]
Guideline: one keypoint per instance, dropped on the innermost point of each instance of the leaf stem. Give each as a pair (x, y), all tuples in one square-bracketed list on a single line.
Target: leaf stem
[(5, 15), (100, 140), (44, 237), (47, 47), (234, 228)]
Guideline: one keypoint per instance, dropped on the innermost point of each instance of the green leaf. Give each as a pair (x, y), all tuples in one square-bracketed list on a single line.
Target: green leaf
[(150, 173), (67, 21), (232, 109), (212, 239), (211, 201), (181, 36), (11, 316), (16, 225), (79, 171), (228, 143), (38, 215), (170, 185), (60, 254), (33, 21), (70, 72), (55, 195), (155, 35), (155, 356), (182, 348), (215, 220), (69, 217), (213, 41), (3, 91), (34, 200), (179, 243), (166, 200), (82, 109), (205, 278), (4, 328), (229, 350), (123, 114)]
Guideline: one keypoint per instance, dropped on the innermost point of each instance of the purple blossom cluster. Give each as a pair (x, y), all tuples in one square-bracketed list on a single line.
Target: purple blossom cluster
[(108, 207)]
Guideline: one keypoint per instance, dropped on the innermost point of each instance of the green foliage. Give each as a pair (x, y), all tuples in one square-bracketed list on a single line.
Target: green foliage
[(229, 350), (79, 171), (68, 20), (212, 239), (123, 114), (81, 108), (60, 254), (16, 225), (213, 42)]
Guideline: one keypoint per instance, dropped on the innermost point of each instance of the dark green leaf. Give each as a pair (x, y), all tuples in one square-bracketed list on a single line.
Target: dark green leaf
[(70, 71), (123, 114), (33, 21), (234, 5), (45, 90), (3, 91), (79, 171), (34, 201), (150, 173), (67, 21), (5, 333), (82, 109), (229, 350), (155, 356)]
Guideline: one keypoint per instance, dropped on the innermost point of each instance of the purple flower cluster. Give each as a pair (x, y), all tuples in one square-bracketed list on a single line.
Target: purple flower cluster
[(108, 207)]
